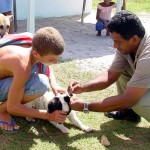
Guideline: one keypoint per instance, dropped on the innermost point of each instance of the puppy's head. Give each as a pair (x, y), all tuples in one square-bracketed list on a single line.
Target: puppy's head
[(4, 25), (60, 102)]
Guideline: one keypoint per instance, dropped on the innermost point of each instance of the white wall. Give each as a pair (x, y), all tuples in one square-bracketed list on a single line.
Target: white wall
[(52, 8)]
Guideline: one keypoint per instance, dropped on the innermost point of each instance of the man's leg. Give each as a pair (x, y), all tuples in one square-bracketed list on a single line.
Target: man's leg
[(127, 114), (143, 106), (34, 88)]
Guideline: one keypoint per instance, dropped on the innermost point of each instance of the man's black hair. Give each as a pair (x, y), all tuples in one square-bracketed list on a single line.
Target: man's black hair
[(126, 24)]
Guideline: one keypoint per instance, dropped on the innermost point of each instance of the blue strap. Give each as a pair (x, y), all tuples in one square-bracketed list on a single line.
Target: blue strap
[(10, 124)]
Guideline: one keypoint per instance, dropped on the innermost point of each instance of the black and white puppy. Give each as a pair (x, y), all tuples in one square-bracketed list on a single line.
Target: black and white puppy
[(51, 103), (60, 102)]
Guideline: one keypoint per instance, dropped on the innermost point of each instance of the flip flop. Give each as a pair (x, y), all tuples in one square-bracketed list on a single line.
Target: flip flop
[(11, 124)]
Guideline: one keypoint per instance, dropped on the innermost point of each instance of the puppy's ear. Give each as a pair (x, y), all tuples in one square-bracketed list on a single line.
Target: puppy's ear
[(67, 99), (54, 104)]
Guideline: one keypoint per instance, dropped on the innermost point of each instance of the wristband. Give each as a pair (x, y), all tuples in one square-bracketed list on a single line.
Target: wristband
[(86, 107)]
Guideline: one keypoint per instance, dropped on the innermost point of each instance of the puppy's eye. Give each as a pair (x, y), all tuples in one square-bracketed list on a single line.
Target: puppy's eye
[(1, 27), (7, 27)]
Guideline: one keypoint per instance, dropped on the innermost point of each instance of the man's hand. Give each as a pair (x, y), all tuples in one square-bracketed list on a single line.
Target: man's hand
[(77, 104), (57, 116), (75, 87)]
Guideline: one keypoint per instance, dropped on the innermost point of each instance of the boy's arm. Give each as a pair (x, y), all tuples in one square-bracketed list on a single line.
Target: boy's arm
[(16, 91), (113, 103), (55, 87), (15, 102)]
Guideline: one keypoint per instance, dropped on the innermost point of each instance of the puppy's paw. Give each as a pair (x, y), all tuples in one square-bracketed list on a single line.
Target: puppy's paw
[(65, 130), (61, 127), (86, 129), (30, 119)]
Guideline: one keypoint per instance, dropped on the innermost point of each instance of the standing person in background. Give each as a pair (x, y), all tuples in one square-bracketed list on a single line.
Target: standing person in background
[(103, 15), (6, 9)]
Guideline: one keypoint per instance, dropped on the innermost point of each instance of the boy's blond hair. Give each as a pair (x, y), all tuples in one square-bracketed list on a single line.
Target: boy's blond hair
[(48, 40)]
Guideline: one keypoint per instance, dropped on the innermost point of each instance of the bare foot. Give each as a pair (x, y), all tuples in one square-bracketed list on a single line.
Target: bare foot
[(6, 122), (108, 34), (98, 34)]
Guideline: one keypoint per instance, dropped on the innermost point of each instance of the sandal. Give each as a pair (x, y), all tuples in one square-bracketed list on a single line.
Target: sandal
[(10, 124)]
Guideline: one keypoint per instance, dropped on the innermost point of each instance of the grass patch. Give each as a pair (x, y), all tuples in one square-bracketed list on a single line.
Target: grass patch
[(44, 136), (134, 6)]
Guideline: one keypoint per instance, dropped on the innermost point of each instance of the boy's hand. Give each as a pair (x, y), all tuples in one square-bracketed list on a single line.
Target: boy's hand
[(57, 89), (57, 116)]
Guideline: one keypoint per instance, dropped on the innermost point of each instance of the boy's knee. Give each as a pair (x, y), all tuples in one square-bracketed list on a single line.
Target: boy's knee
[(44, 80), (38, 84)]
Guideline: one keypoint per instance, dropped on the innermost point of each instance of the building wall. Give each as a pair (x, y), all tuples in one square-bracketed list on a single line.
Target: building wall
[(52, 8)]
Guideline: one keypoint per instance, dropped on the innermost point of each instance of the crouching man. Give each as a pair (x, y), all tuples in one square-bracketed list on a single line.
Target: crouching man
[(130, 69)]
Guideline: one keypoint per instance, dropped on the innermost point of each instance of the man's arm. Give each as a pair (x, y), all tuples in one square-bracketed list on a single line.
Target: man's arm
[(131, 96), (102, 81), (99, 83)]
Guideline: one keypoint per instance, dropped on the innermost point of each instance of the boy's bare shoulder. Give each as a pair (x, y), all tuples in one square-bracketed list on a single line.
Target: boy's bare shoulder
[(13, 52), (15, 60)]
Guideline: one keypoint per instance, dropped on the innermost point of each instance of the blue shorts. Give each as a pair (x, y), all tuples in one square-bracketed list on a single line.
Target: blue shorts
[(5, 5), (99, 26), (37, 84)]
